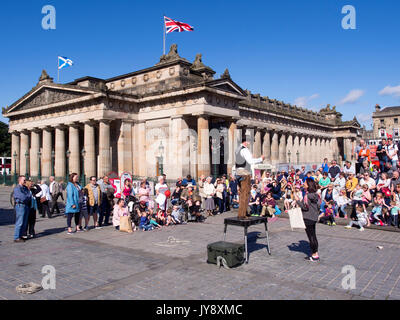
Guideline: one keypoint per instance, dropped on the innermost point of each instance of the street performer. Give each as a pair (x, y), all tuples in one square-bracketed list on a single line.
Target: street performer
[(244, 160)]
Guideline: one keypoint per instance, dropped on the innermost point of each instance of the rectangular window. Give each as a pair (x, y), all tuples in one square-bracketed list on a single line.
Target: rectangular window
[(396, 132), (382, 133), (382, 121), (396, 120)]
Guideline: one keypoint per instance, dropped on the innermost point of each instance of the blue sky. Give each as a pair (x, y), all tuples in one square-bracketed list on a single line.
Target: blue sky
[(291, 50)]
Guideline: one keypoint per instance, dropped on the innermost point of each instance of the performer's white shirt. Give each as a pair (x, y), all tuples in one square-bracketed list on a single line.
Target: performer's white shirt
[(246, 154)]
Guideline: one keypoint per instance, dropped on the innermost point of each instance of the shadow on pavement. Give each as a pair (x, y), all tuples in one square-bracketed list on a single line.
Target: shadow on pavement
[(302, 246), (7, 217)]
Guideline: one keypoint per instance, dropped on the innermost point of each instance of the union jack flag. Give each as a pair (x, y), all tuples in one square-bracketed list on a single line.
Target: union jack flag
[(172, 26)]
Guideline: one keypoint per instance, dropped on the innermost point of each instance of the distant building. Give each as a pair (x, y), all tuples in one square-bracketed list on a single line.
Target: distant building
[(386, 122)]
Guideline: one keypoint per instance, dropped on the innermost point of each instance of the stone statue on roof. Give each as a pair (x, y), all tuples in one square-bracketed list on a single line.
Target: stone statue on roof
[(172, 54)]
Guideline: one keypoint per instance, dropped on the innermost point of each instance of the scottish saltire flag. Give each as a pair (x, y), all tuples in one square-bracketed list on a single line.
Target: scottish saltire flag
[(176, 26), (64, 62)]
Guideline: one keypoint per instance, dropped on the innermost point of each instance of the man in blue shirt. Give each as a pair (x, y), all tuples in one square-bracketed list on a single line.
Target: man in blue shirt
[(22, 200)]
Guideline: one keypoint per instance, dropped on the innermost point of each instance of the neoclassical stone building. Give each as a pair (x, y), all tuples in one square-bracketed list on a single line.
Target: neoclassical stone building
[(119, 124)]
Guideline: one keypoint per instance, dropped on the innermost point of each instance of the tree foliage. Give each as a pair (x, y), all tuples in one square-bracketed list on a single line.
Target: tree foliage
[(5, 140)]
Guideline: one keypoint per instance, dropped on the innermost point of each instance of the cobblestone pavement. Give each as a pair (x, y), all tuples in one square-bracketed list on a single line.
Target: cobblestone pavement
[(106, 264)]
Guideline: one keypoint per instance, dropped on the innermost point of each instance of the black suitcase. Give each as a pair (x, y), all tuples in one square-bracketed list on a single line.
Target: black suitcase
[(233, 253)]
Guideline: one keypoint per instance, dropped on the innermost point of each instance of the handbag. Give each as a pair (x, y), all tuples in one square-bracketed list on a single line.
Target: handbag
[(43, 199), (125, 224), (296, 219)]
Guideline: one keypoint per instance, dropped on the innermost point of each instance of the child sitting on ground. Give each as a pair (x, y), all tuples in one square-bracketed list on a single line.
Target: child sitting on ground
[(396, 207), (144, 222), (328, 217), (362, 219), (377, 211), (169, 220), (176, 215)]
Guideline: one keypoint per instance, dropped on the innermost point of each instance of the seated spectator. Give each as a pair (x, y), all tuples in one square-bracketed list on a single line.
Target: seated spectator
[(362, 219), (377, 214), (327, 216), (176, 195), (324, 181), (366, 179), (255, 202), (327, 195), (349, 169), (396, 207), (291, 203), (145, 223), (275, 190), (341, 203), (351, 183), (366, 197), (334, 170), (268, 205), (364, 167), (119, 211), (340, 182)]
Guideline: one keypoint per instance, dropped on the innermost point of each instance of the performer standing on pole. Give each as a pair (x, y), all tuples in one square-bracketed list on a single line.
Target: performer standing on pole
[(244, 160)]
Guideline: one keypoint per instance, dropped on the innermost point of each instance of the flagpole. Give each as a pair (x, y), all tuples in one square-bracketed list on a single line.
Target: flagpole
[(58, 70), (164, 35)]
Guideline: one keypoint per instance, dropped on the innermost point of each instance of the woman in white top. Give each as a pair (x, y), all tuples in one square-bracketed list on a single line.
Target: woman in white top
[(44, 198), (340, 182), (209, 191)]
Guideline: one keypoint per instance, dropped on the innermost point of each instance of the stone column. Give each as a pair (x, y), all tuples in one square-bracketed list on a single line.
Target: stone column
[(257, 143), (289, 147), (335, 151), (35, 145), (178, 154), (203, 146), (104, 148), (302, 149), (267, 146), (15, 149), (60, 153), (232, 145), (125, 147), (249, 134), (308, 150), (75, 156), (282, 148), (296, 148), (90, 150), (24, 149), (313, 150), (46, 152), (275, 148), (319, 152)]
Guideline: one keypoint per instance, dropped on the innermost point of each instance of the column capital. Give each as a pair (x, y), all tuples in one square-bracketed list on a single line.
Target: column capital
[(60, 126), (105, 121), (15, 133)]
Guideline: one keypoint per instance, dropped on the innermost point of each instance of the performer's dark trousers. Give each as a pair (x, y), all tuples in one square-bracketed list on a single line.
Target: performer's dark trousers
[(245, 186)]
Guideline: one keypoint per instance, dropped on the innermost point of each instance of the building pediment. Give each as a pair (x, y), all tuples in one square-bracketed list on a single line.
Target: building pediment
[(226, 85), (46, 95)]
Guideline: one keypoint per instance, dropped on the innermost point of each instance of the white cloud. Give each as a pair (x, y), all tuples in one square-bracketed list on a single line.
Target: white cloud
[(303, 101), (364, 117), (390, 91), (352, 96)]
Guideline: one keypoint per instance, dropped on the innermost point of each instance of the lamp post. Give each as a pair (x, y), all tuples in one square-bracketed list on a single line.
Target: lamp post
[(68, 153), (26, 164), (40, 165), (298, 156), (53, 155), (83, 177), (15, 167), (160, 158)]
